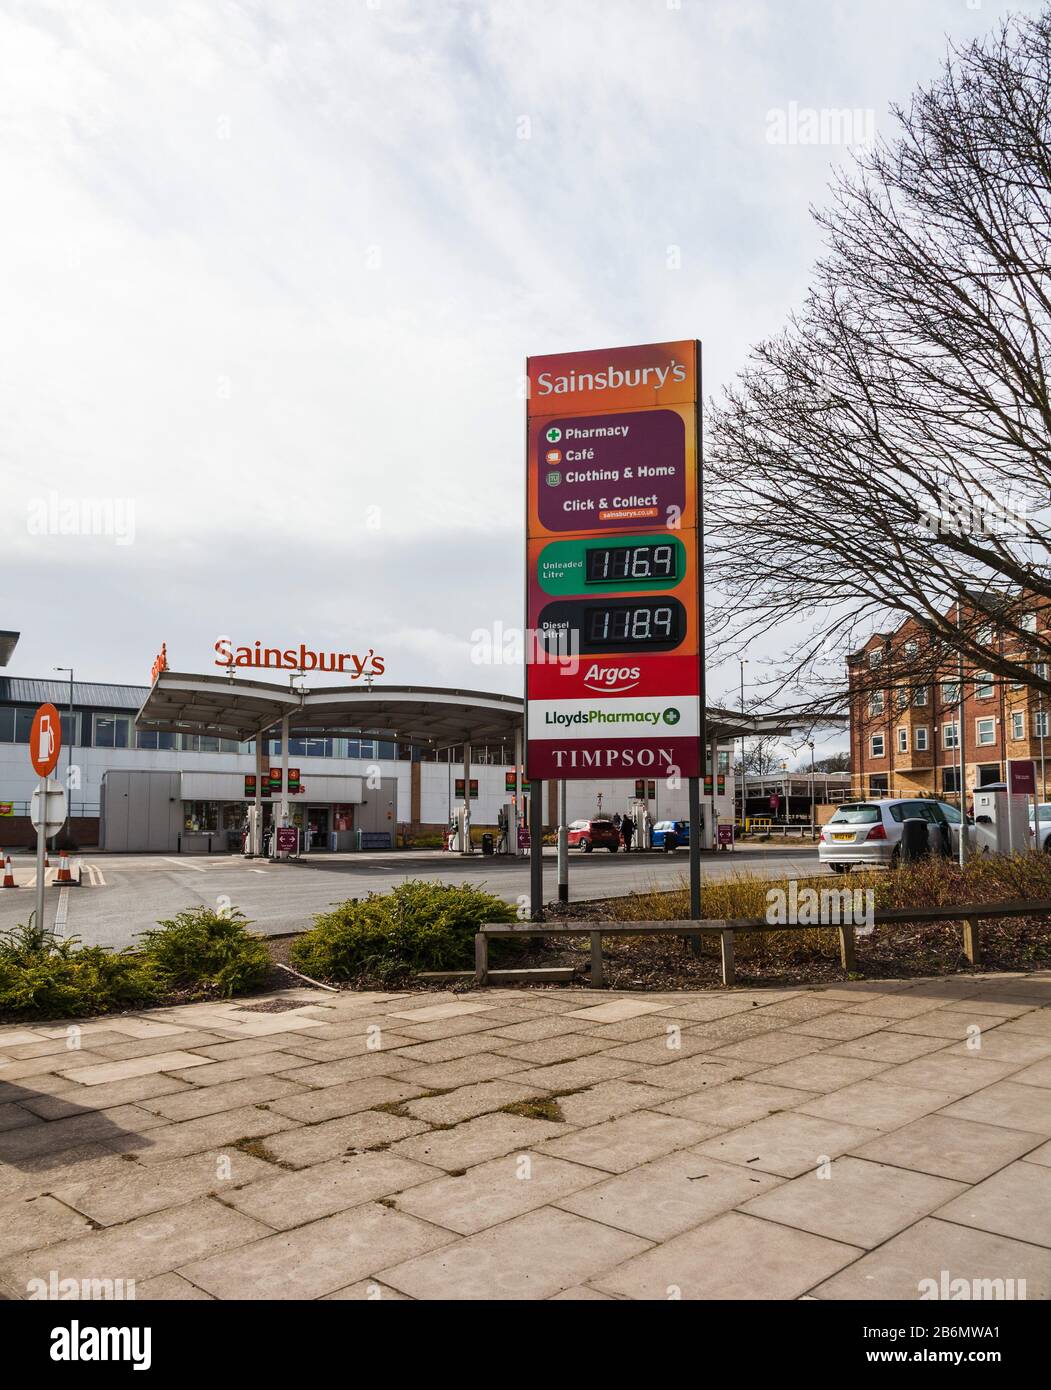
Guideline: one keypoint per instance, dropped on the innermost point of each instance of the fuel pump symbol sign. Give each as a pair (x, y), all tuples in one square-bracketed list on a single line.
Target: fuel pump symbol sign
[(45, 740)]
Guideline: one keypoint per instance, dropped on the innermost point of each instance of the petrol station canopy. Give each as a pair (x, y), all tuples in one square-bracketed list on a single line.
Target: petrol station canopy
[(430, 716)]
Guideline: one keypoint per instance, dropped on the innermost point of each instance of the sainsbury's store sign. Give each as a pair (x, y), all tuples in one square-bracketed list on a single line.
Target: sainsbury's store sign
[(301, 658)]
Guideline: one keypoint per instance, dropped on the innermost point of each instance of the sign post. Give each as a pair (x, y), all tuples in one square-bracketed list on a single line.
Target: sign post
[(45, 744), (614, 649)]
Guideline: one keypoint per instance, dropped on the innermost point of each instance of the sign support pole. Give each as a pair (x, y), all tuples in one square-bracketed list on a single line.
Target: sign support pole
[(41, 839), (563, 845), (536, 851), (695, 848)]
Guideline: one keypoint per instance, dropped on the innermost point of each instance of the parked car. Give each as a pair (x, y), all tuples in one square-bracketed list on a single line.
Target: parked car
[(1041, 827), (870, 832), (668, 835), (587, 834)]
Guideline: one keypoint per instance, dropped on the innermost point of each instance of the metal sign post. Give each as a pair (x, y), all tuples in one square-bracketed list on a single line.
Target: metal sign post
[(45, 744)]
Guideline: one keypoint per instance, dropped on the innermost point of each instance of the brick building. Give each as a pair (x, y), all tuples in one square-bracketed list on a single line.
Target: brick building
[(905, 716)]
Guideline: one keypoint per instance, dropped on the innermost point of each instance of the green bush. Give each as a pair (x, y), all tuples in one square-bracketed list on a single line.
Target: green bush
[(205, 952), (418, 926), (44, 974)]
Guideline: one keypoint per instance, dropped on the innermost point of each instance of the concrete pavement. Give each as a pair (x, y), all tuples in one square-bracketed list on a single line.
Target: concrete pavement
[(864, 1141), (122, 895)]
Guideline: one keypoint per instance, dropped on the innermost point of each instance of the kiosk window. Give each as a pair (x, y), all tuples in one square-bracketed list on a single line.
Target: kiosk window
[(200, 817)]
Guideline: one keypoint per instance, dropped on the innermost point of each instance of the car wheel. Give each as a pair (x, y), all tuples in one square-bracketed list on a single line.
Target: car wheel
[(669, 844), (895, 859), (838, 868), (585, 845), (1047, 845), (612, 848)]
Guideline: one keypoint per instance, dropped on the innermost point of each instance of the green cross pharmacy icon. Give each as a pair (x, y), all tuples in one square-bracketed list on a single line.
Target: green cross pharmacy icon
[(554, 434), (671, 716)]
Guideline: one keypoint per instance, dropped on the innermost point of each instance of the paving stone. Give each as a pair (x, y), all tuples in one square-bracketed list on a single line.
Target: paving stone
[(772, 1047), (229, 1095), (618, 1010), (888, 1048), (843, 1026), (477, 1140), (670, 1195), (464, 1071), (365, 1129), (937, 1251), (338, 1071), (14, 1116), (946, 1023), (135, 1066), (950, 1148), (607, 1100), (292, 1199), (706, 1010), (140, 1248), (548, 1050), (1004, 1103), (441, 1011), (786, 1144), (123, 1123), (169, 1288), (49, 1047), (732, 1257), (876, 1104), (570, 1076), (958, 1074), (138, 1188), (800, 1009), (1038, 1022), (1040, 1155), (239, 1068), (57, 1064), (317, 1259), (448, 1049), (333, 1101), (732, 1104), (739, 1028), (470, 1101), (103, 1097), (691, 1074), (1001, 1046), (34, 1176), (1039, 1074), (357, 1046), (200, 1136), (495, 1191), (626, 1142), (249, 1047), (1014, 1202), (17, 1037), (366, 1291), (537, 1029), (580, 1294), (902, 1005), (818, 1072), (662, 1050), (26, 1223), (148, 1047), (854, 1201), (639, 1029), (534, 1256)]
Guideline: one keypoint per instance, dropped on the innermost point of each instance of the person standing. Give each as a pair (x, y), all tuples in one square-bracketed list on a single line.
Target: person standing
[(627, 830)]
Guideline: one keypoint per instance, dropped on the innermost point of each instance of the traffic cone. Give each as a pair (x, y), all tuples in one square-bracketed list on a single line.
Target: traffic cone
[(63, 875), (9, 874), (47, 862)]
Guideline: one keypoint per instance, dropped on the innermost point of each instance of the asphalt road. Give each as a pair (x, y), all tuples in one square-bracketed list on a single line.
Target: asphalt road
[(122, 895)]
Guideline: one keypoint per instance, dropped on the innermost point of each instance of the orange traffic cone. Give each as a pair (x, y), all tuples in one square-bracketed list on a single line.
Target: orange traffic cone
[(9, 875), (63, 876), (47, 862)]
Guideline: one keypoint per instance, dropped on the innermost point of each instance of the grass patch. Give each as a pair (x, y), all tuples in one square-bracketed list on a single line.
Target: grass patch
[(543, 1108)]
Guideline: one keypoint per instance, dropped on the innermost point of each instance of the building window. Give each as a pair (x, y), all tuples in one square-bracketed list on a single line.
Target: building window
[(985, 635), (876, 659), (7, 725), (1017, 724), (111, 731), (878, 785), (901, 697), (1040, 724), (920, 736), (986, 731), (876, 702), (200, 817), (912, 648), (919, 696), (950, 692), (983, 685), (23, 724), (1027, 622), (950, 779), (949, 739), (876, 746), (154, 740), (988, 773), (1040, 670), (903, 740)]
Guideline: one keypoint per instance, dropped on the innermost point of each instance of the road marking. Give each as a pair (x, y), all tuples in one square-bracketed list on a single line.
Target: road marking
[(95, 877), (257, 871), (182, 864), (62, 911)]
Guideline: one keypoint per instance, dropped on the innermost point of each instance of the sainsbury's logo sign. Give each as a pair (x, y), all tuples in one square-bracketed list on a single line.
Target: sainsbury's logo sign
[(301, 658), (610, 378)]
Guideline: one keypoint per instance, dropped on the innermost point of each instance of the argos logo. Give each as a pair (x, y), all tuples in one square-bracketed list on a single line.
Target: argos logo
[(611, 678)]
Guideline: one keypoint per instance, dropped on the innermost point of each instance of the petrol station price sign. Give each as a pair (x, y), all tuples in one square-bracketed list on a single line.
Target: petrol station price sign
[(613, 563)]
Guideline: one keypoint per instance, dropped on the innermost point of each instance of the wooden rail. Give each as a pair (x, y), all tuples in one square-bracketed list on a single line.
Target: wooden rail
[(968, 914)]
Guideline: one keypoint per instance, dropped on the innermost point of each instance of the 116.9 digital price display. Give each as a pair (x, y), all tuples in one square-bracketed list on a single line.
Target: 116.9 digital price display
[(615, 564)]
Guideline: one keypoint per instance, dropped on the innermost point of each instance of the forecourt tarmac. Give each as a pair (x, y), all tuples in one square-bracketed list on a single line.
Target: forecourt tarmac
[(121, 895)]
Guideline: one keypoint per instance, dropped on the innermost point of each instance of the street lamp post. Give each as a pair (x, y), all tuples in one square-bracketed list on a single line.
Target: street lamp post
[(69, 753), (742, 662), (810, 744)]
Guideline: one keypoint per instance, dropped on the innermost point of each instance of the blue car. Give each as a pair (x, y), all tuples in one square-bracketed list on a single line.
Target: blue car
[(669, 834)]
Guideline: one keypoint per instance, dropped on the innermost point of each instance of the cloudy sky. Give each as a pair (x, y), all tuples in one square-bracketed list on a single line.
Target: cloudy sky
[(272, 269)]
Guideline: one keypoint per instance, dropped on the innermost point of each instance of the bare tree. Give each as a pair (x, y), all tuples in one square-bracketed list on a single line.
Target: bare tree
[(887, 455)]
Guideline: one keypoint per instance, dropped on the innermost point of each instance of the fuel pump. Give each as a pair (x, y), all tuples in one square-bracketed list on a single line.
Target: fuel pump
[(643, 825), (462, 821)]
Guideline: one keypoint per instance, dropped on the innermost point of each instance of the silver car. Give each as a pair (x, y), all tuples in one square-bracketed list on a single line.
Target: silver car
[(869, 832), (1041, 828)]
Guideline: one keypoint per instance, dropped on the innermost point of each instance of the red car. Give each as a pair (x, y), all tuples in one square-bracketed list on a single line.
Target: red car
[(586, 834)]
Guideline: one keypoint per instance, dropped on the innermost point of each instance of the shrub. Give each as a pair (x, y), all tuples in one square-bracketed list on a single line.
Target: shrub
[(418, 926), (205, 952), (44, 974)]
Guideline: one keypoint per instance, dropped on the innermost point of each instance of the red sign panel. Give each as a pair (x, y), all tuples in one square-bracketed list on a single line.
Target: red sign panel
[(613, 582), (45, 740), (1021, 776)]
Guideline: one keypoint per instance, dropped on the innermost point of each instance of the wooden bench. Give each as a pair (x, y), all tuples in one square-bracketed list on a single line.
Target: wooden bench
[(968, 914)]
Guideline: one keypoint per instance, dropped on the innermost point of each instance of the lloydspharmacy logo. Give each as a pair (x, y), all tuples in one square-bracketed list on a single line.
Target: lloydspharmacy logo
[(601, 716)]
